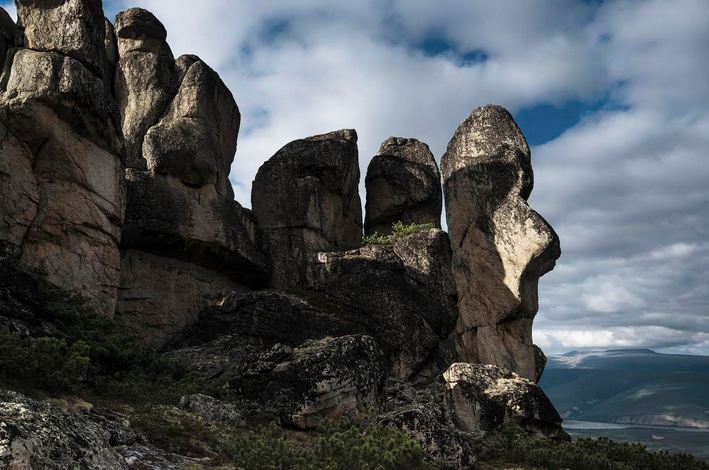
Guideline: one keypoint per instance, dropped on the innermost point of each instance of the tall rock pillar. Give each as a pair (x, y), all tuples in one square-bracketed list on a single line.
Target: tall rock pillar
[(500, 246)]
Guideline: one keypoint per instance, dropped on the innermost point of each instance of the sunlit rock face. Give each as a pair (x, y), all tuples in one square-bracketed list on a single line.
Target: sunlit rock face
[(500, 245)]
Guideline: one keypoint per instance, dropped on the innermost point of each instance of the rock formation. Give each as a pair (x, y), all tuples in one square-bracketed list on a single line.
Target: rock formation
[(305, 199), (402, 295), (500, 246), (183, 231), (403, 185), (145, 77), (114, 177), (63, 194)]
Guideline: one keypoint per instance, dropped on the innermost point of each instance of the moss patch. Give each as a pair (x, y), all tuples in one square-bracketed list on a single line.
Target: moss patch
[(399, 230)]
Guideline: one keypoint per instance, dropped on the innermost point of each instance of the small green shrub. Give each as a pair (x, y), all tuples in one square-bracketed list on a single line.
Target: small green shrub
[(336, 447), (50, 364), (399, 229)]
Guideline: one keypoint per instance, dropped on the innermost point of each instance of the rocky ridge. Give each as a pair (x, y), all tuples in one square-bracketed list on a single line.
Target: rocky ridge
[(114, 165)]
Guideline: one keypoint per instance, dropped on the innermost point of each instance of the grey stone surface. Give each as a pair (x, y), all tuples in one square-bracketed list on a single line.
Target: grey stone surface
[(39, 80), (145, 79), (39, 435), (403, 185), (319, 378), (212, 409), (73, 28), (195, 140), (486, 397), (500, 246)]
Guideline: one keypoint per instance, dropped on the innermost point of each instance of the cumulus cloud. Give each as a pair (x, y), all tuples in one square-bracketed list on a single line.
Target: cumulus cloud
[(627, 190)]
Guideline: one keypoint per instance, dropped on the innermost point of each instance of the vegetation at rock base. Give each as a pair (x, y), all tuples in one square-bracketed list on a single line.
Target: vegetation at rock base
[(46, 363), (399, 229), (335, 445), (87, 354), (92, 357)]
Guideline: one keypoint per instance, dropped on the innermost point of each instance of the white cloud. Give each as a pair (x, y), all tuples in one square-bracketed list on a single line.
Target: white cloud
[(610, 298)]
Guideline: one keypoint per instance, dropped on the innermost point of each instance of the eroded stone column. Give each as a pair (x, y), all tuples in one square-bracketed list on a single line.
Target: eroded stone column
[(500, 245)]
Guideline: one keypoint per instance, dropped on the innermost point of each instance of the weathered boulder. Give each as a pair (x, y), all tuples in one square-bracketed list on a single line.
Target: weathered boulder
[(500, 246), (145, 78), (40, 80), (486, 397), (305, 199), (39, 435), (139, 30), (195, 140), (425, 415), (73, 28), (403, 185), (402, 295), (467, 412), (324, 378), (212, 409), (319, 378)]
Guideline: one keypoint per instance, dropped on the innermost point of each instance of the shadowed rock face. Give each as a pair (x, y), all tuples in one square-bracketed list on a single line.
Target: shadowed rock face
[(402, 295), (500, 246), (183, 230), (403, 184), (305, 199), (9, 35)]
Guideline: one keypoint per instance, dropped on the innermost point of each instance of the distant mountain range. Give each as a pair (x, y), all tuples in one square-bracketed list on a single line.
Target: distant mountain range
[(630, 386)]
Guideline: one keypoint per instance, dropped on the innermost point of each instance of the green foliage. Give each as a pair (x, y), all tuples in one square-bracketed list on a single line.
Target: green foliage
[(399, 229), (94, 356), (336, 447), (46, 363), (592, 454)]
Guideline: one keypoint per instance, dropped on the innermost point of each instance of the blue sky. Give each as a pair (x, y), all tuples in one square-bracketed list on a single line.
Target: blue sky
[(613, 96)]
